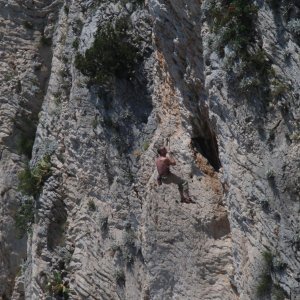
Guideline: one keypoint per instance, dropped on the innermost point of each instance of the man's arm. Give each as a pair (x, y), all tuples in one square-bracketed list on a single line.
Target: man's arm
[(171, 159)]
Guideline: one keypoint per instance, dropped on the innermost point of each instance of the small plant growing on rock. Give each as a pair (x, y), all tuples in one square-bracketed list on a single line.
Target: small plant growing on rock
[(92, 205), (265, 280), (265, 286), (57, 287), (270, 174), (31, 181), (24, 218), (146, 145), (268, 258)]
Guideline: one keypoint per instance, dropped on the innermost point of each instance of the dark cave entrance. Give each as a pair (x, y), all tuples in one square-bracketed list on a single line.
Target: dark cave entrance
[(209, 149), (204, 141)]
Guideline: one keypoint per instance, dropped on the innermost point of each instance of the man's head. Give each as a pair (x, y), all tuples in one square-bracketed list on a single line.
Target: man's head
[(162, 151)]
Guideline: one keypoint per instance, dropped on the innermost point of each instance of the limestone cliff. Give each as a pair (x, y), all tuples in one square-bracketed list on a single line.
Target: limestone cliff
[(90, 90)]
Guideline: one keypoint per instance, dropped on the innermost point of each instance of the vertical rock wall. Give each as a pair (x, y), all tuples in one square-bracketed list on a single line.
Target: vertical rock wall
[(103, 227), (25, 68)]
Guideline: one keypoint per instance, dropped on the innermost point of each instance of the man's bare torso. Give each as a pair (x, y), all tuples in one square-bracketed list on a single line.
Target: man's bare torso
[(163, 165)]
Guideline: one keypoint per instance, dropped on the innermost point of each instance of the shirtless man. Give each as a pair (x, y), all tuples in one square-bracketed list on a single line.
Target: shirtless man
[(163, 163)]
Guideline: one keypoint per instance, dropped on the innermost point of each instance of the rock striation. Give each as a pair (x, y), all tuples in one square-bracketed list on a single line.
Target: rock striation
[(82, 216)]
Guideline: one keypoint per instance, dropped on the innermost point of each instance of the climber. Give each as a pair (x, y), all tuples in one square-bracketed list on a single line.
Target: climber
[(163, 163)]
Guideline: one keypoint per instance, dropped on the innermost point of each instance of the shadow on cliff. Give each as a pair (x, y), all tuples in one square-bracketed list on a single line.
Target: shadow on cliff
[(203, 136)]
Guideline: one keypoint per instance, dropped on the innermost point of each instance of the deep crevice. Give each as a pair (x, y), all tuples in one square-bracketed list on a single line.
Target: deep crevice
[(204, 141)]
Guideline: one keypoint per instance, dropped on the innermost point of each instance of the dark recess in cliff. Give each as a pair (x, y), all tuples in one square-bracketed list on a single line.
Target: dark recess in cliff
[(204, 141)]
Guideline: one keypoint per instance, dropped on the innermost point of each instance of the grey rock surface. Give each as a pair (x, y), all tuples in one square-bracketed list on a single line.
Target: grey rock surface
[(103, 228)]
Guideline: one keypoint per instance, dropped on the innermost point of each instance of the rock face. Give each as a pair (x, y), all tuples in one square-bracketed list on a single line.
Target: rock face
[(101, 226)]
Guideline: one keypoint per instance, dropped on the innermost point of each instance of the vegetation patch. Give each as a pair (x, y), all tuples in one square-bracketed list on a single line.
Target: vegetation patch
[(57, 287), (233, 23), (265, 279), (266, 287), (113, 54), (92, 205), (31, 180), (236, 20), (24, 218)]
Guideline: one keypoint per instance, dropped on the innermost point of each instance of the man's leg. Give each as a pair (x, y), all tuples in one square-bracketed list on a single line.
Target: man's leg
[(182, 187)]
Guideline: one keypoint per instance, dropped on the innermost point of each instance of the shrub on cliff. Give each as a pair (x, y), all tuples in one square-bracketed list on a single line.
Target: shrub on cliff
[(31, 181), (24, 217), (237, 17), (57, 287), (112, 54)]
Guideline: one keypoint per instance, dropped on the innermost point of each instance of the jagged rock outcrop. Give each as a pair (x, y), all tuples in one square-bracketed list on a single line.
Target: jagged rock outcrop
[(103, 228)]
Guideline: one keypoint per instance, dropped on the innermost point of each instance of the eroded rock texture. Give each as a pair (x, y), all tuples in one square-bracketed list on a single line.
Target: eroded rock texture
[(103, 228)]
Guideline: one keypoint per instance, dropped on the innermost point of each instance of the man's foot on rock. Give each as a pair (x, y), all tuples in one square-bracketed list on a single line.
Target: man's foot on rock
[(187, 200)]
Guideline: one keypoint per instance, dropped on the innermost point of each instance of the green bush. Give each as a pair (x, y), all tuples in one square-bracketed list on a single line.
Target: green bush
[(27, 182), (24, 218), (146, 145), (237, 18), (111, 55), (234, 24), (268, 258), (31, 181), (265, 285), (91, 205)]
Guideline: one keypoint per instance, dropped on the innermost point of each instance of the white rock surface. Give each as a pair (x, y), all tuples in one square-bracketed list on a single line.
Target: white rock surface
[(101, 216)]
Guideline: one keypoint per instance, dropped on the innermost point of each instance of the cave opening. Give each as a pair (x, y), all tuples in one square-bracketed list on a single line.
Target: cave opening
[(204, 141)]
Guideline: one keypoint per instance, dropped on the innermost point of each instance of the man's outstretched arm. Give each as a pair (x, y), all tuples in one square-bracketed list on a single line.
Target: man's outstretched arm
[(171, 159)]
